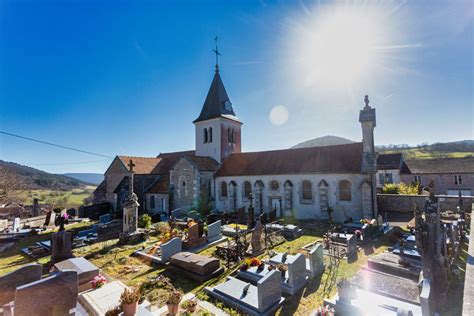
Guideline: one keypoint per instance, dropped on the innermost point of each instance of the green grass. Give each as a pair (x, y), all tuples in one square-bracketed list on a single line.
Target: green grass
[(416, 153), (73, 198)]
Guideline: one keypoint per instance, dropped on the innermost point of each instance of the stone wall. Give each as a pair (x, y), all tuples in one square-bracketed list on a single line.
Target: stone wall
[(184, 183), (116, 172), (404, 203)]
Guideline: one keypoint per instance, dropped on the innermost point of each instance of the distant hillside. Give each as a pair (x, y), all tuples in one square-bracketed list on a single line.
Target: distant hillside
[(324, 141), (93, 178), (18, 177), (459, 149)]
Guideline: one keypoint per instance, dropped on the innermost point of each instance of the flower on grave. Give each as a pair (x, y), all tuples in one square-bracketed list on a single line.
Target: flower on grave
[(244, 266), (255, 262), (325, 311), (98, 281)]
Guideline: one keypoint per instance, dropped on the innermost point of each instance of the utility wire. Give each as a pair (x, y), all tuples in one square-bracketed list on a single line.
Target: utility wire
[(62, 163), (55, 145)]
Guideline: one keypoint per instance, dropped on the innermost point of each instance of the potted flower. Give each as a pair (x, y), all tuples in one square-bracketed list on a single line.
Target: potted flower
[(189, 306), (271, 267), (261, 266), (129, 301), (282, 268), (172, 303), (255, 262), (98, 281)]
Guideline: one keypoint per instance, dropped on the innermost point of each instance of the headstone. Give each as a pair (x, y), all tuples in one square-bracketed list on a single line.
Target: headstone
[(272, 216), (194, 266), (194, 238), (251, 218), (262, 299), (170, 248), (241, 215), (211, 218), (296, 273), (86, 271), (50, 217), (316, 260), (36, 208), (256, 238), (21, 276), (264, 218), (61, 246), (54, 295), (16, 224), (214, 232), (351, 242)]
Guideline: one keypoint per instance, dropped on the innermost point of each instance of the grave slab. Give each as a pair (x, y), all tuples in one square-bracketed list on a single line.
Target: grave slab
[(86, 271)]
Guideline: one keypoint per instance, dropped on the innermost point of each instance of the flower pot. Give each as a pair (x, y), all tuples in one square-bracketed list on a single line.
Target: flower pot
[(173, 309), (191, 309), (130, 309)]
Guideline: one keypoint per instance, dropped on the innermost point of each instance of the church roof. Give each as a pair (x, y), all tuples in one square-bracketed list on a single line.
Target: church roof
[(389, 161), (204, 163), (217, 102), (336, 159), (143, 165)]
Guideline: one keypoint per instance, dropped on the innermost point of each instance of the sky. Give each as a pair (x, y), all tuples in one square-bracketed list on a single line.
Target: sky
[(129, 77)]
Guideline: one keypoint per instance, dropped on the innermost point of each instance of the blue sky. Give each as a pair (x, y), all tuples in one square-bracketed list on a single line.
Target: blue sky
[(129, 77)]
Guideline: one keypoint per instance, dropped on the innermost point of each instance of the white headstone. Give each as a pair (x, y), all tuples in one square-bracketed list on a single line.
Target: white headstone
[(316, 260), (16, 224), (214, 231)]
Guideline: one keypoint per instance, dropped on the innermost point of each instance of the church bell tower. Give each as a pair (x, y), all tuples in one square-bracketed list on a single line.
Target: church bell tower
[(217, 129)]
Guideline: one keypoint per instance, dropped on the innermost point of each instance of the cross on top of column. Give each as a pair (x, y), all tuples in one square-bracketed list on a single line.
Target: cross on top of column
[(131, 165)]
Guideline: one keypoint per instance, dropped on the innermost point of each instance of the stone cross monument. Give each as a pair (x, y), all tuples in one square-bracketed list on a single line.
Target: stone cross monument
[(130, 207)]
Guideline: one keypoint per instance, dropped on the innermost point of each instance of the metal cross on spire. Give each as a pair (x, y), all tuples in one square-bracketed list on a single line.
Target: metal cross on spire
[(216, 51)]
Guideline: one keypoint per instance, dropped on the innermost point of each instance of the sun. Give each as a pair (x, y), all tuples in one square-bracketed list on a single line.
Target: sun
[(340, 45)]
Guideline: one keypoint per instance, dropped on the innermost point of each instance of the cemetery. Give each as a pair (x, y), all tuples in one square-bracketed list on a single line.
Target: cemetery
[(225, 264)]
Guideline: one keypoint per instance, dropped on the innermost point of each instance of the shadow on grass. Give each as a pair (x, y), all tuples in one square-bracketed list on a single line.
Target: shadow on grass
[(313, 285)]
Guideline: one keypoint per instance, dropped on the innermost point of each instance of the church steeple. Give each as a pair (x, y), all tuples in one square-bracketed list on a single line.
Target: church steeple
[(217, 127)]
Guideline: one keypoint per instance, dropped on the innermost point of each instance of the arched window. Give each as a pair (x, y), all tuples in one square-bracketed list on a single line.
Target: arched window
[(210, 135), (223, 189), (231, 135), (247, 189), (307, 190), (345, 191), (205, 136)]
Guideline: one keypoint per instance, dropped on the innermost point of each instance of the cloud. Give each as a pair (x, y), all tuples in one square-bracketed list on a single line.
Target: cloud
[(140, 49)]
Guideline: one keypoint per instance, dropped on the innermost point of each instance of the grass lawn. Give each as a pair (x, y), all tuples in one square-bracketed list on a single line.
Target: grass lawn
[(72, 198), (416, 153)]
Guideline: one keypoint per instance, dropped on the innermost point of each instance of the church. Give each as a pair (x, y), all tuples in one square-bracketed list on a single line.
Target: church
[(304, 183)]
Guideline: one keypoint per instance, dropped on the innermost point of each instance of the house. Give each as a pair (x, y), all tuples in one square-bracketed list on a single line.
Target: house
[(389, 168), (449, 175)]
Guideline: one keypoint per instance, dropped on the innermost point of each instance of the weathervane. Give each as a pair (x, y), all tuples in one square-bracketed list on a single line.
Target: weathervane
[(216, 51)]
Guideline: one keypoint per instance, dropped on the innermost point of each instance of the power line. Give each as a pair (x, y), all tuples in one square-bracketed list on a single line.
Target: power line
[(55, 145)]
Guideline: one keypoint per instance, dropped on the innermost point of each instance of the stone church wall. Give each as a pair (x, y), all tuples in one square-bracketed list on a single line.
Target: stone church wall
[(300, 208), (113, 176), (184, 183)]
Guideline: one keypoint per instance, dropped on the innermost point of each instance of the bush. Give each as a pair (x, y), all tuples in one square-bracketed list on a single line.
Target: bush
[(145, 221), (390, 188), (400, 188)]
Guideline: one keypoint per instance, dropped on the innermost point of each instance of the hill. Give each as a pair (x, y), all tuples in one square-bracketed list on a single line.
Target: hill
[(93, 178), (459, 149), (14, 176), (324, 141)]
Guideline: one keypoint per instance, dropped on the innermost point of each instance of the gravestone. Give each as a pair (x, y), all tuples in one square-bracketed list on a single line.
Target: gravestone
[(16, 224), (36, 208), (61, 246), (194, 266), (21, 276), (214, 232), (50, 219), (86, 271), (3, 224), (296, 273), (54, 295), (241, 215), (194, 238), (251, 218), (351, 242), (256, 239), (170, 248), (262, 299), (272, 215), (316, 260)]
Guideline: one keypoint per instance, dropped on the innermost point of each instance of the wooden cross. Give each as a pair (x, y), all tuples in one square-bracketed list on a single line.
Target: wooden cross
[(131, 165)]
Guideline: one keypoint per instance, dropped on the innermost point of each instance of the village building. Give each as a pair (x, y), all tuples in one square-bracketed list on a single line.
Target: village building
[(302, 183), (449, 175)]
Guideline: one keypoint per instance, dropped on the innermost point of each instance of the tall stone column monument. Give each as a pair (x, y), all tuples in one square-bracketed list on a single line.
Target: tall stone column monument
[(369, 160), (130, 207)]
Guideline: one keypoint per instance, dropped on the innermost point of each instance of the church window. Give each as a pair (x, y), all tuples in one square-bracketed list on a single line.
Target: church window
[(210, 135), (247, 189), (223, 189), (205, 136), (457, 179), (307, 190), (274, 185), (345, 191), (231, 135), (152, 201)]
